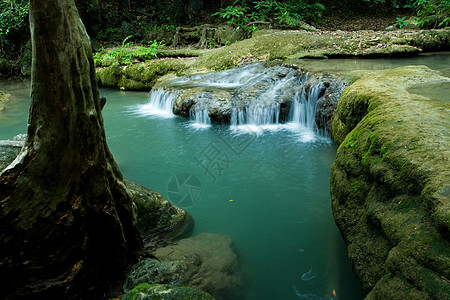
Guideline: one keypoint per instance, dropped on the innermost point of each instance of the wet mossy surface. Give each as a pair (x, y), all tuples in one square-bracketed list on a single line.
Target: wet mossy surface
[(270, 45), (165, 292), (389, 184)]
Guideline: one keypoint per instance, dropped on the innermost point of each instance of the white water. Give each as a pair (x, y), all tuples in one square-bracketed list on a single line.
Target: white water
[(200, 117), (160, 104), (256, 113)]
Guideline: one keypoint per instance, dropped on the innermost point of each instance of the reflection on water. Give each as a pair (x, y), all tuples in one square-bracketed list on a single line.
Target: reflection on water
[(436, 61)]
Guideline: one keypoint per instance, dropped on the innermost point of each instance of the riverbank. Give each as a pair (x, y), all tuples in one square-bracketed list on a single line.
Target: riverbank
[(268, 45)]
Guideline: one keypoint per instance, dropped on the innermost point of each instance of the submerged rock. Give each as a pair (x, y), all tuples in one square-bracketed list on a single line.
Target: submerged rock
[(390, 184), (147, 291), (4, 97), (207, 262), (211, 263), (152, 271)]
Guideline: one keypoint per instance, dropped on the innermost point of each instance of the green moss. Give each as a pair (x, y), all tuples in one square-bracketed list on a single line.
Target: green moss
[(147, 291), (389, 185), (109, 76)]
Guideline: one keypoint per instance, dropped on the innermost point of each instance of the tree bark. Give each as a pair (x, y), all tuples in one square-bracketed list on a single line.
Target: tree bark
[(67, 225)]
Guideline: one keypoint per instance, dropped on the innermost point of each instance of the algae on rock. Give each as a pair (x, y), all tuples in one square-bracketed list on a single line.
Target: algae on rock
[(390, 184)]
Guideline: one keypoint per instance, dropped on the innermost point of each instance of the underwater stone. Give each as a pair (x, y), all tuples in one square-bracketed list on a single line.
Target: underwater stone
[(165, 292), (211, 264)]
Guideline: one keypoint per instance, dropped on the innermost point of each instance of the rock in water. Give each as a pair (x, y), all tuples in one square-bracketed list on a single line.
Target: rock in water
[(147, 291), (158, 221), (206, 262)]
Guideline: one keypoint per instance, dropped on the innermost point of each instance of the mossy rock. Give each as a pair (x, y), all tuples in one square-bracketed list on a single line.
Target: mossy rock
[(159, 222), (293, 44), (140, 76), (147, 291), (390, 184)]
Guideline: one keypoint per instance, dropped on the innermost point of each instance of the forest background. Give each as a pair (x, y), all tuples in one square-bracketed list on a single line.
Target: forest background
[(110, 22)]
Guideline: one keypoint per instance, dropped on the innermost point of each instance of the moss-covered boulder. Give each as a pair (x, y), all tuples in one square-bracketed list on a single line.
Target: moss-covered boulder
[(390, 184), (209, 264), (140, 75), (147, 291), (159, 222)]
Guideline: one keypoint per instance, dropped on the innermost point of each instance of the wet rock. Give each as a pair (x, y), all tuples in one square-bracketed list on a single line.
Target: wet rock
[(159, 222), (390, 184), (209, 264), (153, 271), (220, 93), (165, 292), (139, 76), (256, 90), (9, 149), (4, 97)]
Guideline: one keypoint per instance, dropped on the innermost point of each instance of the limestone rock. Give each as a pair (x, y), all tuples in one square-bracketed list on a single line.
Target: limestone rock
[(153, 271), (210, 261), (9, 149), (147, 291), (158, 221), (390, 184)]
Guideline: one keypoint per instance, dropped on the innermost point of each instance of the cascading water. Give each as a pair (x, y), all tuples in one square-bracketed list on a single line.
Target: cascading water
[(302, 115), (254, 98), (160, 104), (200, 117)]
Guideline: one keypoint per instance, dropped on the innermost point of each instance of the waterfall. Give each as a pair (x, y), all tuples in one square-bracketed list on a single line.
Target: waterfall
[(255, 118), (302, 114), (304, 105), (255, 98), (160, 104), (200, 117)]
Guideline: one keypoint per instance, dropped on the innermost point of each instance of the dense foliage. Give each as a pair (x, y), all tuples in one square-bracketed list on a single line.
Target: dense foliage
[(244, 13), (110, 21), (127, 53), (13, 25)]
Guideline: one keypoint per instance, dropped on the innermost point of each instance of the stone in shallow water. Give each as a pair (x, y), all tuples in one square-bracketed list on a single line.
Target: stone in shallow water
[(165, 292), (158, 221), (206, 262), (211, 264), (150, 270)]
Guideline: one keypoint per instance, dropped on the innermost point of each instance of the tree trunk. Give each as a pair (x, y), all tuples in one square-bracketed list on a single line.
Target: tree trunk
[(67, 225)]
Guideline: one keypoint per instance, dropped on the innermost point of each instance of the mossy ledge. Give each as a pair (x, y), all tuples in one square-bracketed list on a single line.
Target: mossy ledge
[(390, 184), (267, 45)]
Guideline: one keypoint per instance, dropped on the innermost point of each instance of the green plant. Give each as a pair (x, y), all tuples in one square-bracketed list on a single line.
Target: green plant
[(127, 53), (291, 13), (13, 19), (402, 22), (235, 15)]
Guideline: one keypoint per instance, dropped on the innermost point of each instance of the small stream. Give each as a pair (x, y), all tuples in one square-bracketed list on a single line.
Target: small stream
[(268, 190)]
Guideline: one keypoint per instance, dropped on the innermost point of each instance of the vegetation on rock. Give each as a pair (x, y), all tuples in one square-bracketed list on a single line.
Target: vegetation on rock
[(147, 291), (389, 186)]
